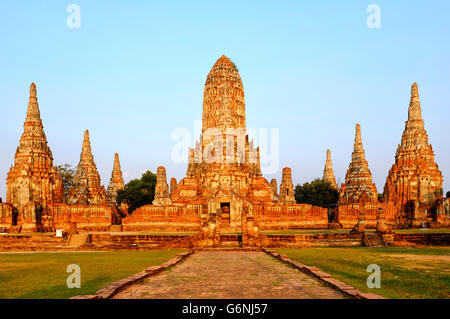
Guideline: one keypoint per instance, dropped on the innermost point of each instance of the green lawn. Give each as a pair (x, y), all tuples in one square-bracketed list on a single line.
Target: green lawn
[(405, 272), (43, 275)]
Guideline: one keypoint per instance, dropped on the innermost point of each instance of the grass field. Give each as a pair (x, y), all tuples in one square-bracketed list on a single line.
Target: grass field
[(405, 272), (43, 275)]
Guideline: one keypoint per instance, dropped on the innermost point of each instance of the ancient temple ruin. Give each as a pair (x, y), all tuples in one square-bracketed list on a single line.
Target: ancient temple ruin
[(116, 182), (328, 172), (33, 183), (358, 186), (87, 188), (414, 180), (223, 190)]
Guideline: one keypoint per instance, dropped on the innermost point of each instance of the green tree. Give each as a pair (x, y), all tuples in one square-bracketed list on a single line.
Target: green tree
[(317, 193), (138, 192), (67, 173)]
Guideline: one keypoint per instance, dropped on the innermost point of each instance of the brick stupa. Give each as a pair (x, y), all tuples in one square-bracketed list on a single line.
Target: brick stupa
[(358, 187), (33, 178), (87, 188), (328, 172), (116, 182), (415, 176)]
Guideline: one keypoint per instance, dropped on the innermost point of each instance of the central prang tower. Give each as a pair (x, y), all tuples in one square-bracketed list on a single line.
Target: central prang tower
[(224, 167)]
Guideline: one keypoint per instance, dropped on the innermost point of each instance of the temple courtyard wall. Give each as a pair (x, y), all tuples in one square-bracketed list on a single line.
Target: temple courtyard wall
[(347, 215), (269, 216), (188, 217), (164, 218)]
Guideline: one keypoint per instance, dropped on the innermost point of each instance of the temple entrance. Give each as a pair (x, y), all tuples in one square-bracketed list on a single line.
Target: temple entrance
[(14, 216), (225, 212)]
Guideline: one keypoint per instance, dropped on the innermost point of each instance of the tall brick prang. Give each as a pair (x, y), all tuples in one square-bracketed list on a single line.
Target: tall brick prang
[(87, 188), (116, 182), (33, 178), (328, 172), (415, 176), (358, 187)]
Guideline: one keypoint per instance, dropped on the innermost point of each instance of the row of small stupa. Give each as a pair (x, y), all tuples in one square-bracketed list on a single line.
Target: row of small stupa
[(415, 176), (33, 178)]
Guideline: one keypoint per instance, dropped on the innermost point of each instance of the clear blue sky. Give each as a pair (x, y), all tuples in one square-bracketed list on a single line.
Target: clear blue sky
[(135, 71)]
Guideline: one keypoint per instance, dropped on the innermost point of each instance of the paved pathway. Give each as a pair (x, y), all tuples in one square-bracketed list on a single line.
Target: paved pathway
[(225, 275)]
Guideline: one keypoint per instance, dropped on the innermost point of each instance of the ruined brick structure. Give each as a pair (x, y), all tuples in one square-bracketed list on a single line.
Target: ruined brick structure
[(328, 172), (173, 185), (87, 188), (224, 170), (33, 183), (358, 187), (223, 190), (162, 194), (414, 180), (286, 187), (116, 182)]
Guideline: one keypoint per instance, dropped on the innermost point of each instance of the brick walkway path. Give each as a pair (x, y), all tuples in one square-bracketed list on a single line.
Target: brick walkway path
[(234, 274)]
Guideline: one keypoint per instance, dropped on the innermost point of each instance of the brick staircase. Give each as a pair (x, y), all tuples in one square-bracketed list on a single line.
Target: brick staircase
[(375, 240), (230, 241), (77, 240)]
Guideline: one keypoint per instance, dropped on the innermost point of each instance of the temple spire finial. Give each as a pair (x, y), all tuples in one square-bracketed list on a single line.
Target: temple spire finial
[(358, 141), (33, 90), (414, 111), (415, 90)]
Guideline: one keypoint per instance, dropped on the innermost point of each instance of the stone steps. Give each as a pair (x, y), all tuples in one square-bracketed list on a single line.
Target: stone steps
[(376, 240), (77, 240)]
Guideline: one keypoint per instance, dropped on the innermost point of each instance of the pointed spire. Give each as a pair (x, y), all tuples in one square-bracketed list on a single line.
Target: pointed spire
[(87, 175), (33, 113), (358, 185), (116, 182), (116, 176), (328, 172), (414, 111), (33, 163), (86, 152), (358, 147), (414, 174)]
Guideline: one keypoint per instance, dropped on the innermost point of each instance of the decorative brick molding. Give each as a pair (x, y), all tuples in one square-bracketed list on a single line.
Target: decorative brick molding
[(112, 289), (324, 277)]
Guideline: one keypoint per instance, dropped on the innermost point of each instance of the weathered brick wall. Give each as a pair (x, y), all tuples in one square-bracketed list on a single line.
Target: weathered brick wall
[(289, 216), (31, 242), (424, 239), (316, 240), (86, 217), (164, 218), (120, 241), (5, 215), (348, 214)]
